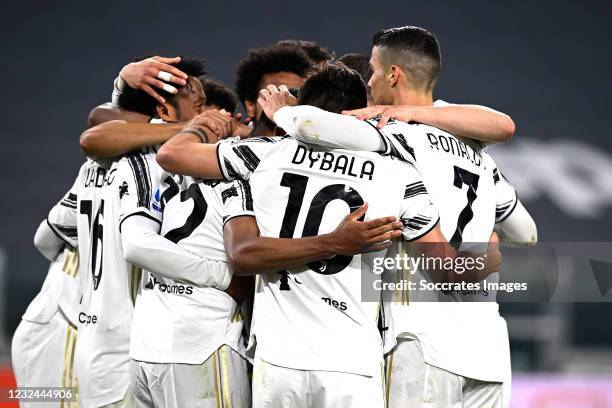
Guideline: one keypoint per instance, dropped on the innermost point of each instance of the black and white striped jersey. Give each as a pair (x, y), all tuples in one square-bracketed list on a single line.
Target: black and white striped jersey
[(111, 283), (312, 317), (471, 197), (71, 220), (176, 321), (460, 178)]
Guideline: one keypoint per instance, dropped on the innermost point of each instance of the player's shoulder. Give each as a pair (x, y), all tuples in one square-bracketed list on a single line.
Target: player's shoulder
[(255, 140), (138, 164), (398, 126), (269, 139), (256, 146), (144, 156)]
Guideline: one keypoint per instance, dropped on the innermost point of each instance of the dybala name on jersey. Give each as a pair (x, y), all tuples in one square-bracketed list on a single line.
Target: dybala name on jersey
[(334, 162)]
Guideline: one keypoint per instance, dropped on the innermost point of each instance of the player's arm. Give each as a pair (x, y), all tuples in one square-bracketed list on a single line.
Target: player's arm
[(192, 152), (435, 246), (110, 111), (60, 227), (421, 230), (143, 246), (470, 121), (249, 253), (519, 228), (316, 126), (47, 242), (140, 221), (186, 154), (116, 137), (513, 222), (145, 75)]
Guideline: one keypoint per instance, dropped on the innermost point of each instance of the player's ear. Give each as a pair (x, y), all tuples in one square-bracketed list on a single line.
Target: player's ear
[(166, 112), (394, 75), (251, 108)]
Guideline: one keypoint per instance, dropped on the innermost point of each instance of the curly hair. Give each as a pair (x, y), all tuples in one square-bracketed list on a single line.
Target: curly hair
[(219, 94), (268, 60), (315, 51)]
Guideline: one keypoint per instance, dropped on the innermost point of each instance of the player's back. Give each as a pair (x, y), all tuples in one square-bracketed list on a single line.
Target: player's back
[(112, 283), (313, 317), (460, 179), (174, 321), (457, 176), (71, 220)]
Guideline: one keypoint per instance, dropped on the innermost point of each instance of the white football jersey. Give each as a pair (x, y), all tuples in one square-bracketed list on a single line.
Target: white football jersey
[(60, 290), (470, 195), (313, 317), (176, 322), (110, 283), (71, 220)]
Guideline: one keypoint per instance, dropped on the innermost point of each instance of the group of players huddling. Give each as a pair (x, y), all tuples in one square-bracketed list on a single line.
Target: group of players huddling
[(198, 261)]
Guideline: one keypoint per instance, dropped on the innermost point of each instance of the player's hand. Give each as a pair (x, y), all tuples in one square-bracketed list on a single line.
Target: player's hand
[(217, 124), (154, 72), (272, 99), (493, 258), (240, 129), (386, 112), (239, 117), (353, 237)]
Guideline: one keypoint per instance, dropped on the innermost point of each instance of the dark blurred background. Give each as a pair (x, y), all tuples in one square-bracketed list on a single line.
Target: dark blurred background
[(548, 64)]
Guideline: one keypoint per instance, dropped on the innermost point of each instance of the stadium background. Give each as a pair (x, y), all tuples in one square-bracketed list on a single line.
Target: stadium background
[(547, 63)]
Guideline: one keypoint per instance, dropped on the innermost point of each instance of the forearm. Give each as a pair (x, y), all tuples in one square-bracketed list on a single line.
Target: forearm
[(186, 154), (261, 254), (144, 247), (477, 263), (316, 126), (47, 242), (109, 111), (519, 228), (117, 137), (471, 121)]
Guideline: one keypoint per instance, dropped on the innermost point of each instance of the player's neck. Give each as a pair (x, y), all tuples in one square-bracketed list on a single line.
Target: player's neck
[(409, 96)]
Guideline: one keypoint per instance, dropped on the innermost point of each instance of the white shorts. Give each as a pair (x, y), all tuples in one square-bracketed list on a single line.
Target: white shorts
[(126, 402), (221, 381), (411, 382), (281, 387), (43, 356)]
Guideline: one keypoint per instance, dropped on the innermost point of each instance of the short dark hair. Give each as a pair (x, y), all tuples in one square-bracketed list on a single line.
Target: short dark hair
[(219, 94), (139, 101), (334, 87), (315, 51), (268, 60), (358, 62), (415, 50)]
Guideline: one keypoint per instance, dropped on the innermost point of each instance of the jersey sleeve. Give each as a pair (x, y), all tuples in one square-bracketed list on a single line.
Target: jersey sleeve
[(62, 218), (312, 125), (137, 186), (237, 200), (418, 212), (238, 159), (505, 196), (399, 139)]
